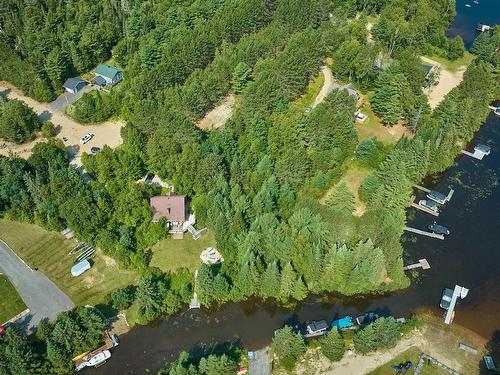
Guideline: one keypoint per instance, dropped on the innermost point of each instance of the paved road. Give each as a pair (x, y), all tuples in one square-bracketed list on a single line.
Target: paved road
[(42, 296), (67, 98), (261, 364)]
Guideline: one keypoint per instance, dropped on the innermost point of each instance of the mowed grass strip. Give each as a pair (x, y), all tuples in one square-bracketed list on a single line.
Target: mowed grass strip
[(11, 303), (48, 251), (170, 254)]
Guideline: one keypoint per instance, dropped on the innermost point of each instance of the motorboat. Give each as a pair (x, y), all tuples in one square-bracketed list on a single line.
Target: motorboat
[(439, 229)]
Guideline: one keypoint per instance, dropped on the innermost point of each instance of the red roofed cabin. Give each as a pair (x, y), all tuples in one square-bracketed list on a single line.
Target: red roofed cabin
[(171, 207)]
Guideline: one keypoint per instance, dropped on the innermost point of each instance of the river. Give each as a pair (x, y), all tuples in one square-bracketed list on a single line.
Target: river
[(470, 257)]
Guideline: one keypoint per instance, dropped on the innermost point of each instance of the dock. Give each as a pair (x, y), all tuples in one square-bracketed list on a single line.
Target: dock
[(194, 303), (422, 263), (110, 341), (475, 155), (424, 233), (422, 208), (459, 291)]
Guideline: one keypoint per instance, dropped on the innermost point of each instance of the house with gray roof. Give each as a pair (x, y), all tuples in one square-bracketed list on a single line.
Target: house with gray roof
[(74, 84), (106, 74)]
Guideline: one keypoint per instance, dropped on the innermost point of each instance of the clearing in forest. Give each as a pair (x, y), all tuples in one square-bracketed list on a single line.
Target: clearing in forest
[(107, 133), (48, 251), (449, 78), (218, 116), (353, 177)]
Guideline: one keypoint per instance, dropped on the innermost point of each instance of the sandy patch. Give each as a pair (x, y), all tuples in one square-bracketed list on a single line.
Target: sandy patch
[(447, 81), (369, 37), (107, 133), (218, 116)]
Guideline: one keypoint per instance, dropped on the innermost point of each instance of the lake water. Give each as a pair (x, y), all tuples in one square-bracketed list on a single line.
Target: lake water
[(465, 23), (470, 257)]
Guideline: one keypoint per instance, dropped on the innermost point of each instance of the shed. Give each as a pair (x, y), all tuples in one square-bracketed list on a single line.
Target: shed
[(74, 84), (109, 73), (99, 81), (80, 268)]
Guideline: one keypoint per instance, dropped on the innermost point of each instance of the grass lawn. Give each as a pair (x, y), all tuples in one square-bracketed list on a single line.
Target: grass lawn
[(48, 251), (373, 127), (353, 177), (454, 65), (170, 254), (307, 99), (11, 303)]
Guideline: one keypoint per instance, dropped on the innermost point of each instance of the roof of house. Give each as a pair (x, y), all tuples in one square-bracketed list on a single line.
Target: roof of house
[(171, 207), (318, 325), (106, 70), (73, 82)]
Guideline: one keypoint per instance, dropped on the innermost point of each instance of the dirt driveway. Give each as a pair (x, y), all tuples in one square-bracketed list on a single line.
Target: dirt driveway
[(447, 81), (107, 133)]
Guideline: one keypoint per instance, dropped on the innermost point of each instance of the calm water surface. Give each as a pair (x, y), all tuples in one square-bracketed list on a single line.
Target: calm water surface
[(465, 23), (469, 257)]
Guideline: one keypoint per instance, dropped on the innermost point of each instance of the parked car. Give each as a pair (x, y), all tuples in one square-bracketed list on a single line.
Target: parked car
[(95, 150), (439, 229), (431, 205), (87, 137)]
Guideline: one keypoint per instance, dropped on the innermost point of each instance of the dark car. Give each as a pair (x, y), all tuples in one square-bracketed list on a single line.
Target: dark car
[(439, 229), (95, 150)]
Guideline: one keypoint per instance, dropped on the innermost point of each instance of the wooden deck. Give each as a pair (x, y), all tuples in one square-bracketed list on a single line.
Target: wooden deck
[(475, 155), (424, 233), (422, 263)]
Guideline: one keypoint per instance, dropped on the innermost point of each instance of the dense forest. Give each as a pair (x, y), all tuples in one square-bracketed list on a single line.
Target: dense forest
[(257, 181)]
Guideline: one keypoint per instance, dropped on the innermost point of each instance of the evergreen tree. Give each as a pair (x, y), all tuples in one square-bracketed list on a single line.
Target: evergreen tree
[(56, 66), (287, 344), (270, 284), (332, 345), (299, 291), (241, 76), (287, 282), (341, 199)]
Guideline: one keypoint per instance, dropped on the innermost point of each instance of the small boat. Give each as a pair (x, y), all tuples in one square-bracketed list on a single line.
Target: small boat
[(99, 359), (367, 318), (446, 298), (316, 328), (482, 149), (476, 1), (343, 323), (468, 5), (431, 205), (437, 197), (439, 229)]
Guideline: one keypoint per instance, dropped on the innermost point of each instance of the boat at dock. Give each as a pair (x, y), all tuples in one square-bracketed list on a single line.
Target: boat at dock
[(367, 318), (483, 28), (99, 359), (315, 328), (437, 197), (439, 229), (343, 323), (446, 298)]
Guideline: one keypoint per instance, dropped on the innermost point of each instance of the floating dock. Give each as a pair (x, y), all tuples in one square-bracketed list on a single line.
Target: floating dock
[(459, 291), (424, 233), (422, 208), (422, 263), (475, 155)]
